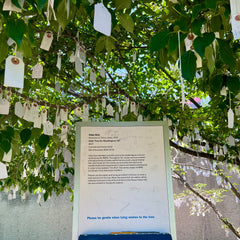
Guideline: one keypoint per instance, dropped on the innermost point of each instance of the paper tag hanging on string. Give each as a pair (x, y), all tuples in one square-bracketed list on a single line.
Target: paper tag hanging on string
[(9, 6), (14, 72), (72, 57), (7, 157), (125, 110), (34, 111), (82, 54), (237, 111), (3, 171), (67, 155), (230, 141), (140, 118), (59, 62), (133, 107), (27, 113), (235, 18), (102, 19), (85, 110), (92, 75), (109, 110), (223, 91), (18, 109), (189, 41), (134, 56), (37, 71), (104, 101), (10, 42), (56, 175), (48, 128), (4, 106), (64, 133), (198, 61), (64, 114), (78, 112), (102, 72), (9, 95), (78, 66), (47, 40), (230, 118), (37, 121), (44, 115)]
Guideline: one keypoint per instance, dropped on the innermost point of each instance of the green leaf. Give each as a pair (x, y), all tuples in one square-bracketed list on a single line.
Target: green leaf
[(25, 48), (226, 53), (188, 65), (211, 4), (122, 4), (43, 141), (16, 29), (200, 43), (233, 84), (40, 4), (209, 54), (197, 24), (196, 9), (10, 131), (109, 44), (25, 135), (126, 22), (216, 23), (6, 146), (216, 83), (3, 47), (16, 3), (100, 44), (45, 196), (159, 41)]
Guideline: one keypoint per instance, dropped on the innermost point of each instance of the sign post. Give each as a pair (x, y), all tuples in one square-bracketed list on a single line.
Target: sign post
[(123, 179)]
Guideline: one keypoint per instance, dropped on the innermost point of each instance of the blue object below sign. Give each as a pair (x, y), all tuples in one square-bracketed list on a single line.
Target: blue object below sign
[(134, 236)]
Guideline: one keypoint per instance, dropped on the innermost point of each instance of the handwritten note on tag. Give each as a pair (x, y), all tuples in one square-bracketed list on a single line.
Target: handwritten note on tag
[(37, 71), (102, 19), (14, 72), (47, 40)]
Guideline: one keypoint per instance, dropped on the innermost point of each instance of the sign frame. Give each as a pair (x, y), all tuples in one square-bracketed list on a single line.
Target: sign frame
[(164, 124)]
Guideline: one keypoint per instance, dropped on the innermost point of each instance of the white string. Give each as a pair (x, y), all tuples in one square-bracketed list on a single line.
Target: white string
[(180, 71)]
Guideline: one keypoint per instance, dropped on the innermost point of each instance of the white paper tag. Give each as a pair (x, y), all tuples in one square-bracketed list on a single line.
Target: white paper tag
[(92, 76), (9, 6), (34, 111), (48, 128), (82, 55), (104, 102), (117, 116), (230, 118), (64, 114), (125, 110), (230, 141), (10, 41), (109, 110), (78, 112), (237, 111), (134, 56), (189, 41), (133, 107), (14, 72), (4, 106), (7, 157), (84, 118), (223, 92), (102, 72), (56, 175), (9, 95), (44, 115), (3, 171), (78, 66), (59, 62), (37, 71), (140, 118), (102, 19), (27, 112), (85, 110), (64, 133), (37, 122), (47, 40), (72, 57), (18, 109)]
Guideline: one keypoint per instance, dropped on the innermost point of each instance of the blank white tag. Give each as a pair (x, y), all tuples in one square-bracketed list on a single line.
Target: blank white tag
[(14, 72), (48, 128), (125, 110), (56, 175), (92, 76), (102, 19), (10, 42), (44, 115), (67, 155), (8, 6), (64, 133), (34, 111), (102, 72), (230, 118), (64, 114), (18, 109), (47, 40), (78, 66), (109, 110), (230, 141), (37, 122), (78, 112), (59, 61), (37, 71), (140, 118), (223, 92), (27, 113), (104, 102), (133, 107), (7, 157), (3, 171), (4, 106), (134, 56)]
